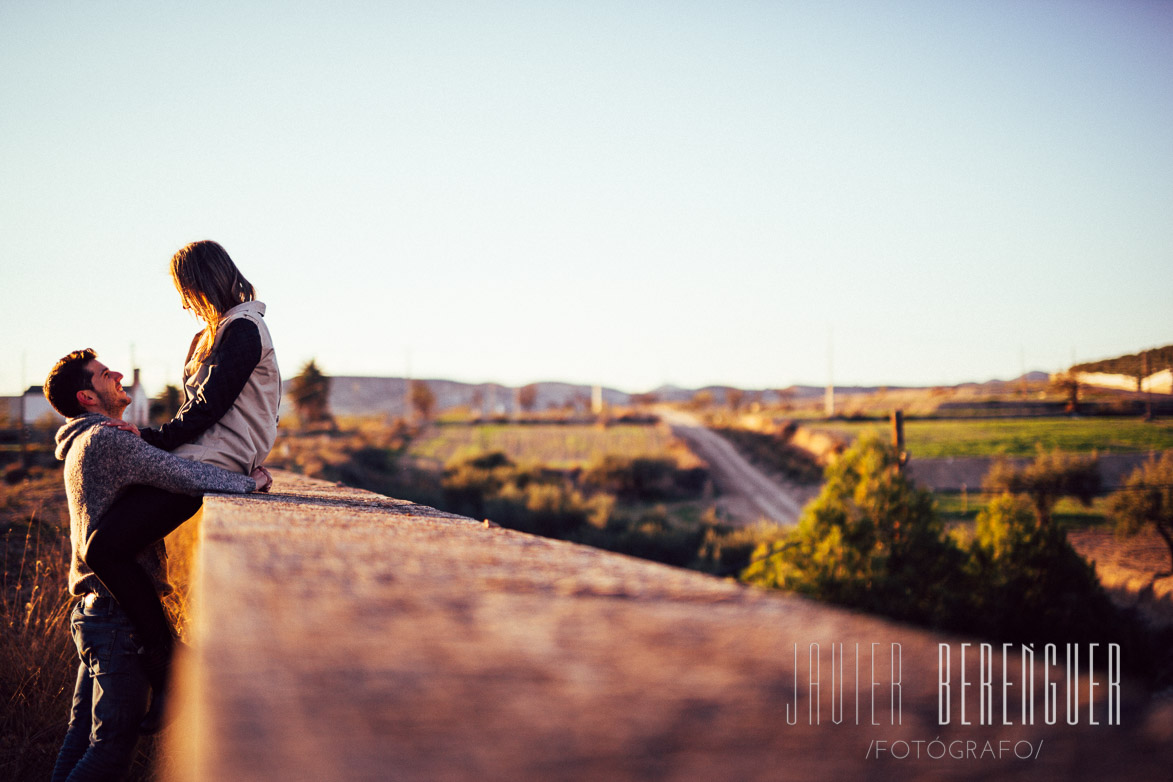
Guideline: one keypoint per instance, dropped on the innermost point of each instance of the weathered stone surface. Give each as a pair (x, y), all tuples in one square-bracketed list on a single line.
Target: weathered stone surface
[(340, 635)]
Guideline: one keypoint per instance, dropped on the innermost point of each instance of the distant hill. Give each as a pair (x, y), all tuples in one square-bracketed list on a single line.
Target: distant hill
[(998, 386), (388, 396), (363, 396)]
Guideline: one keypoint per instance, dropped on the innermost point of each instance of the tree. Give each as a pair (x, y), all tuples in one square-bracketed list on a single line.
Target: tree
[(644, 400), (164, 406), (1147, 500), (1068, 384), (527, 397), (1051, 476), (734, 397), (1029, 584), (310, 392), (702, 400), (423, 400), (871, 539)]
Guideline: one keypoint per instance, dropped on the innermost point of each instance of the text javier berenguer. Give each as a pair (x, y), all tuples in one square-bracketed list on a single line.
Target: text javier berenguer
[(1010, 677)]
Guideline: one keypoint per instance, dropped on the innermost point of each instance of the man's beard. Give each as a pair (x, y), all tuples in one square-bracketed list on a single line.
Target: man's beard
[(113, 402)]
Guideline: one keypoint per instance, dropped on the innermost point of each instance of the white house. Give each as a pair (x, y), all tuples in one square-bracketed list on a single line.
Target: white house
[(1158, 382), (29, 408)]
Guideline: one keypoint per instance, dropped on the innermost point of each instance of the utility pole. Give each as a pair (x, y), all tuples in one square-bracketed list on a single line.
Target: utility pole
[(408, 413), (24, 432), (829, 398)]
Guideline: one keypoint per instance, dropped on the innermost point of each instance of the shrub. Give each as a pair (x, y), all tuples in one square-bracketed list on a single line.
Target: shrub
[(468, 483), (1052, 475), (872, 540), (527, 499), (551, 509), (726, 550), (1147, 500), (649, 534), (1033, 586), (641, 479)]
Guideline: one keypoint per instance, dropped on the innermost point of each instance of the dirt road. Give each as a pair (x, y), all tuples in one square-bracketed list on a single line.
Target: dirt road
[(747, 493)]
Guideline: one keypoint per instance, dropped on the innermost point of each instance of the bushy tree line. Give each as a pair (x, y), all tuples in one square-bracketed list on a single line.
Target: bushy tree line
[(1146, 499), (616, 503), (873, 540)]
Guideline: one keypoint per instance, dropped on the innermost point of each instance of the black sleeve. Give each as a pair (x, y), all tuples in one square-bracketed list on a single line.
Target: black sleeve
[(231, 364)]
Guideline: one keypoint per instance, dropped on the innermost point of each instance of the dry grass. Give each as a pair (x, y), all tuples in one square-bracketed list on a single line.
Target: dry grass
[(38, 661), (37, 658)]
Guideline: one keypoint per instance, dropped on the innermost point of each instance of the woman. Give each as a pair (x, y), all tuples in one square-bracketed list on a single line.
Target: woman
[(233, 389), (230, 417)]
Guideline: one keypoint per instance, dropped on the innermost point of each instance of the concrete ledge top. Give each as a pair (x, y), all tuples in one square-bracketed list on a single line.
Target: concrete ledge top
[(342, 635)]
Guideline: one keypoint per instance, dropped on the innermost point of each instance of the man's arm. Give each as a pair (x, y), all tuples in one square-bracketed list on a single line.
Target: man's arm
[(139, 462), (234, 359)]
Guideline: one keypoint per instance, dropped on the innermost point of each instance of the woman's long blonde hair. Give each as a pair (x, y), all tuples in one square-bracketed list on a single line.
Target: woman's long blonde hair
[(210, 285)]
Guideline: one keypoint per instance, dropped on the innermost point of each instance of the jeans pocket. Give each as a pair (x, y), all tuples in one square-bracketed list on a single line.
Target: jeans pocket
[(95, 644)]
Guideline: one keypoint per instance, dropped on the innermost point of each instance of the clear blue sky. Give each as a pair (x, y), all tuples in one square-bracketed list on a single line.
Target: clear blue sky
[(629, 193)]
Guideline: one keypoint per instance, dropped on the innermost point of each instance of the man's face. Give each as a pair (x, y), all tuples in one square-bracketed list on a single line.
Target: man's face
[(107, 393)]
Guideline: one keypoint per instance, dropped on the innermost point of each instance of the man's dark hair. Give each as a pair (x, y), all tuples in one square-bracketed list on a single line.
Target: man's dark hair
[(68, 376)]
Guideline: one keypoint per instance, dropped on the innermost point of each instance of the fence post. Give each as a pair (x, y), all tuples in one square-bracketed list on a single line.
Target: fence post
[(898, 437)]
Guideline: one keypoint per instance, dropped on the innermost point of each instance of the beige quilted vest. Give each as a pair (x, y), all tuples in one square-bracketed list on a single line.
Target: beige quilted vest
[(241, 439)]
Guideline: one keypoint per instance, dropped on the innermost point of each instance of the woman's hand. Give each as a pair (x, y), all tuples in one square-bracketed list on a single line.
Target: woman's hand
[(125, 426), (263, 478)]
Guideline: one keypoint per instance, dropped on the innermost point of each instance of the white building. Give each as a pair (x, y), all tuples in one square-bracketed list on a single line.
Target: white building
[(1158, 382)]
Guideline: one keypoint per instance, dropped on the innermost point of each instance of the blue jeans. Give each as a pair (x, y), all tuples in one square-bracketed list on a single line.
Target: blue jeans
[(109, 700)]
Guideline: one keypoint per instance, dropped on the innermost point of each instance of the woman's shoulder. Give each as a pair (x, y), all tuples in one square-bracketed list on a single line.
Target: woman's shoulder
[(247, 309), (239, 327)]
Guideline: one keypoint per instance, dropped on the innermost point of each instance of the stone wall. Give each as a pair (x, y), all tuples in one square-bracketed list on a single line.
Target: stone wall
[(341, 635)]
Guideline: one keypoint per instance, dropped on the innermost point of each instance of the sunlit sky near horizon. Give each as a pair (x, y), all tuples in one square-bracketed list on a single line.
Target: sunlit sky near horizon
[(631, 193)]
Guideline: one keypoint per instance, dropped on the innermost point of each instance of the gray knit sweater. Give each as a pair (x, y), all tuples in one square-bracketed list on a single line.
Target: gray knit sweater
[(100, 462)]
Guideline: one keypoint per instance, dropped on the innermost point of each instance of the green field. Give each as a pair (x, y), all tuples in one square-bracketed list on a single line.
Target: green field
[(930, 439), (552, 445), (1068, 513)]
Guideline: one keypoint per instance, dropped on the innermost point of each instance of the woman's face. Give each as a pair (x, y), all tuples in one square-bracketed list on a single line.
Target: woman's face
[(182, 298)]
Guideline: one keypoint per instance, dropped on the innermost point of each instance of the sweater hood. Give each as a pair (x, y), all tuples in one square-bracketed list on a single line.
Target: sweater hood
[(74, 428)]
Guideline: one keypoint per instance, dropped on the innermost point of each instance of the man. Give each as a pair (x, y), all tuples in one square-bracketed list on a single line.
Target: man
[(102, 462)]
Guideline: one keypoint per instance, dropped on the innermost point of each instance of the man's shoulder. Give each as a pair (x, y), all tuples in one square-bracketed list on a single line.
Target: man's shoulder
[(81, 429), (101, 436)]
